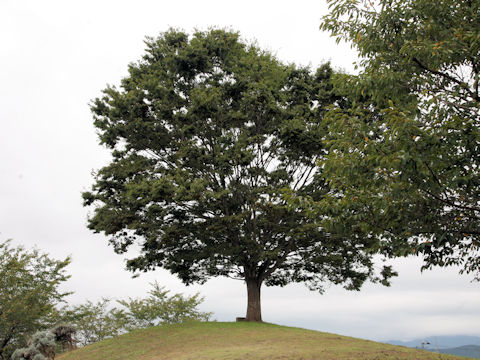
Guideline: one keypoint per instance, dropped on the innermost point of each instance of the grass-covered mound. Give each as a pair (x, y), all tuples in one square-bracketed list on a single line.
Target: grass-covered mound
[(215, 340)]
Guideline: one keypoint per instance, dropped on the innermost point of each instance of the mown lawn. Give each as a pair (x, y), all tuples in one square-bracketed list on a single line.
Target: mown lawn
[(235, 341)]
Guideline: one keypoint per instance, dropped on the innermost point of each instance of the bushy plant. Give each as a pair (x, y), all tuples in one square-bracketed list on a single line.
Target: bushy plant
[(159, 308), (64, 336), (40, 347), (29, 293), (95, 321)]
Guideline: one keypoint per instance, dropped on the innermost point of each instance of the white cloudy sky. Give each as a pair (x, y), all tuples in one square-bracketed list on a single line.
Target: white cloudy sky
[(55, 56)]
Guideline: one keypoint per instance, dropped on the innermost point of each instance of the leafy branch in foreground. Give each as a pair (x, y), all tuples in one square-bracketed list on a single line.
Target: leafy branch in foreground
[(404, 162)]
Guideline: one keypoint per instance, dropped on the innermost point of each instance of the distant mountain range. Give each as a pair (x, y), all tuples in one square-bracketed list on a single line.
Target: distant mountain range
[(472, 351), (439, 342), (461, 345)]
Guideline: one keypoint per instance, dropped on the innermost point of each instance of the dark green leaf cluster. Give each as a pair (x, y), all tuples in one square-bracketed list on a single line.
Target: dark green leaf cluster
[(64, 336), (208, 134), (404, 157)]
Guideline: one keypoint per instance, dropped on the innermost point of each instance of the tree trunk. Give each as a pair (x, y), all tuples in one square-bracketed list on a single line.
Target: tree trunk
[(254, 311)]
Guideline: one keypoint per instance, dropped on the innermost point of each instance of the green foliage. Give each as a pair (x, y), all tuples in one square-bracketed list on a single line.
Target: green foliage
[(94, 322), (404, 155), (64, 336), (159, 309), (29, 292), (207, 134), (40, 347)]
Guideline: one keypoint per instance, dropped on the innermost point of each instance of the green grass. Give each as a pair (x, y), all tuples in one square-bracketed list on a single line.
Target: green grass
[(232, 341)]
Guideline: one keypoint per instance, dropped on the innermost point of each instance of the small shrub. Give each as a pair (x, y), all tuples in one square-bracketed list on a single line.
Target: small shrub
[(43, 344), (40, 347), (64, 336), (101, 320)]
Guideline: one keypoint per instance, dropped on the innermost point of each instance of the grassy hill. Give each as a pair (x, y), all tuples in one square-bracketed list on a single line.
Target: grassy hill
[(252, 341)]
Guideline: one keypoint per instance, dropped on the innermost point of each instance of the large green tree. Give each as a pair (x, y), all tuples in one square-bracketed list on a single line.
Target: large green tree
[(207, 134), (29, 292), (405, 155)]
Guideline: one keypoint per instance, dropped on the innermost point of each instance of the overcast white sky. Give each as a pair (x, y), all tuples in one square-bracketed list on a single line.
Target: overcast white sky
[(55, 56)]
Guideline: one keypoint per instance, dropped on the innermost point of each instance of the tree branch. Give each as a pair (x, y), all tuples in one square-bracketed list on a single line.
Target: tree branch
[(449, 77), (453, 204)]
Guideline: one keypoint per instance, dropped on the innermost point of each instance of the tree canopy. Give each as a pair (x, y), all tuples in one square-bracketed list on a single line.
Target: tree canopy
[(29, 292), (207, 134), (405, 155)]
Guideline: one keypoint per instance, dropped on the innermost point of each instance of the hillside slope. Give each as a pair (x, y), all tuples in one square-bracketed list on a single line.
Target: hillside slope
[(253, 341)]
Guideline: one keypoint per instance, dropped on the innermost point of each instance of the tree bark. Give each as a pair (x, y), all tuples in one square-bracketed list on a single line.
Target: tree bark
[(5, 341), (254, 311)]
